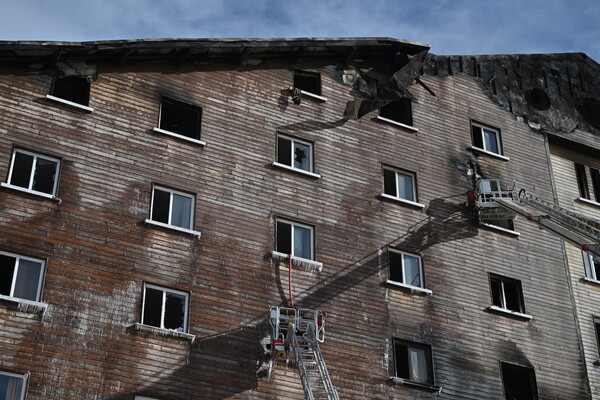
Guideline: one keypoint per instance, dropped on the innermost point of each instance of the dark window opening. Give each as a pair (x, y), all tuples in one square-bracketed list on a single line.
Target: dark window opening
[(595, 183), (284, 238), (477, 136), (395, 260), (181, 118), (7, 270), (389, 182), (161, 206), (413, 362), (584, 191), (21, 171), (174, 311), (284, 151), (45, 173), (308, 82), (72, 88), (501, 223), (153, 307), (519, 382), (399, 111), (164, 308), (597, 326), (507, 293)]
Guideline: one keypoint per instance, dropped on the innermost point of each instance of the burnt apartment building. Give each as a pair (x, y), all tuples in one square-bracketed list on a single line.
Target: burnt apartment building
[(297, 219)]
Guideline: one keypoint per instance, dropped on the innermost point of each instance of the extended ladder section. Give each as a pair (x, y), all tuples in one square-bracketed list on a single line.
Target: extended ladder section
[(569, 225), (299, 331)]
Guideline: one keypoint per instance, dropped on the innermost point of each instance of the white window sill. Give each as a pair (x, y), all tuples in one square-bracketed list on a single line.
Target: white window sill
[(588, 201), (413, 289), (590, 280), (396, 123), (489, 153), (501, 229), (406, 382), (69, 103), (298, 261), (297, 170), (26, 305), (403, 201), (182, 137), (29, 191), (173, 227), (509, 312), (311, 95), (163, 332)]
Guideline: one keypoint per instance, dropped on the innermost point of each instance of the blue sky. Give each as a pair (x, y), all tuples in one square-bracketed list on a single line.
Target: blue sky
[(450, 27)]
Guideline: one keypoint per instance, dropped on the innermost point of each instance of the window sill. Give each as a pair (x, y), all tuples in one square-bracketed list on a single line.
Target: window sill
[(590, 280), (501, 229), (311, 95), (24, 305), (298, 261), (489, 153), (70, 103), (178, 136), (588, 201), (396, 123), (403, 201), (509, 312), (173, 227), (163, 332), (413, 289), (297, 170), (406, 382), (29, 191)]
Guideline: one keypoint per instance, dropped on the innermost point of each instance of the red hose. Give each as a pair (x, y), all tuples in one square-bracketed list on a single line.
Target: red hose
[(290, 279)]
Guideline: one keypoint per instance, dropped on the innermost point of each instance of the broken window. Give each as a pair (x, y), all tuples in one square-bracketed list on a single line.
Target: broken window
[(75, 89), (180, 118), (165, 308), (519, 382), (405, 268), (20, 277), (309, 82), (34, 172), (295, 239), (413, 361), (592, 266), (294, 153), (172, 207), (12, 386), (398, 111), (507, 293), (486, 138), (399, 184), (507, 224)]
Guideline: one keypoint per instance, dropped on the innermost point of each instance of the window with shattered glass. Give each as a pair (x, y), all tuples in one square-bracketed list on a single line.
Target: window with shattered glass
[(34, 172), (165, 308), (295, 153)]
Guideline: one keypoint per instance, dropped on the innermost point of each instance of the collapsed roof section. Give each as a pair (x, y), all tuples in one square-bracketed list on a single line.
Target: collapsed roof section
[(555, 93)]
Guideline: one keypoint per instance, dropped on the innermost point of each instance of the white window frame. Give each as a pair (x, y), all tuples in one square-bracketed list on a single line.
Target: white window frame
[(402, 254), (590, 270), (502, 308), (397, 197), (168, 224), (291, 167), (70, 103), (28, 189), (483, 148), (16, 271), (162, 314), (24, 377), (312, 237)]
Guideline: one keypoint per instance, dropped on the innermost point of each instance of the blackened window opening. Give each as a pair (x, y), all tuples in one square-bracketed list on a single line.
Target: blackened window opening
[(72, 88), (153, 307), (389, 182), (519, 382), (477, 136), (181, 118), (395, 260), (399, 111), (507, 293), (595, 183), (284, 151), (284, 238), (21, 171), (584, 191), (308, 82), (7, 270), (160, 206)]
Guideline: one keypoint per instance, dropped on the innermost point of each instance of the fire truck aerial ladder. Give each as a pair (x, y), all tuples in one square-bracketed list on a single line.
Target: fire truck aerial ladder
[(496, 199)]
